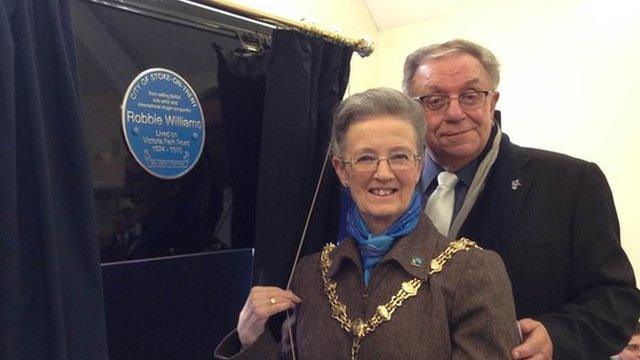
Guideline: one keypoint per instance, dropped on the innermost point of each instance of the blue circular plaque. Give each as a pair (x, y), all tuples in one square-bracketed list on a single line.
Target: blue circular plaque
[(162, 123)]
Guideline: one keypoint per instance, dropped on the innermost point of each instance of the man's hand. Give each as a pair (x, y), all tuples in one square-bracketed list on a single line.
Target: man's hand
[(537, 343)]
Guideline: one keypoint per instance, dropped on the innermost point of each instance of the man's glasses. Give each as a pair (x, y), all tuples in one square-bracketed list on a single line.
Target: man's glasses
[(468, 100), (397, 162)]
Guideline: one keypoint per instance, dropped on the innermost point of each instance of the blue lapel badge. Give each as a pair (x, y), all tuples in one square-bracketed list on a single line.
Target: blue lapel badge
[(417, 261)]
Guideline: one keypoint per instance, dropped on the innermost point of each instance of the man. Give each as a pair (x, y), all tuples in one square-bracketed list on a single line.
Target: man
[(551, 217), (632, 350)]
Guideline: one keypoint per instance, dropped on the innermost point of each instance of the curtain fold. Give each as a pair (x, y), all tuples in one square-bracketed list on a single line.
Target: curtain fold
[(278, 111), (324, 225), (241, 79), (307, 78), (50, 286)]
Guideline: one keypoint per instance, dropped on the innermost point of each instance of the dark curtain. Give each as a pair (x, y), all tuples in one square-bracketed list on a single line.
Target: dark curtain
[(307, 78), (50, 286), (241, 80)]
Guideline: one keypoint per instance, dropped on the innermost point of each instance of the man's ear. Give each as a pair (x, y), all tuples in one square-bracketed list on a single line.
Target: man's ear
[(494, 100), (340, 169)]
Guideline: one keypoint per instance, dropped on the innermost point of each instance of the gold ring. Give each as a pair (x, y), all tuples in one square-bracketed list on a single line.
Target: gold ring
[(272, 300)]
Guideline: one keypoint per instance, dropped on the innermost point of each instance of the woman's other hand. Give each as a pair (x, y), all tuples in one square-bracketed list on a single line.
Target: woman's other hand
[(261, 304)]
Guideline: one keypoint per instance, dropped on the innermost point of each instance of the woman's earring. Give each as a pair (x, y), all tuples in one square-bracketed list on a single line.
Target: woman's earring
[(346, 185)]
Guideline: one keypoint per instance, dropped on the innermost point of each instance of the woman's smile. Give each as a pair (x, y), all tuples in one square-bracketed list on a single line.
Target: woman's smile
[(383, 193)]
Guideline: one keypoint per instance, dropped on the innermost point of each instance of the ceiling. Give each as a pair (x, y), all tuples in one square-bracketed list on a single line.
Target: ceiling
[(388, 14)]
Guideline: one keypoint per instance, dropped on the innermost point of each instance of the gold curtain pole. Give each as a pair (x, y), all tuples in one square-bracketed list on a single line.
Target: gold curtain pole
[(363, 47)]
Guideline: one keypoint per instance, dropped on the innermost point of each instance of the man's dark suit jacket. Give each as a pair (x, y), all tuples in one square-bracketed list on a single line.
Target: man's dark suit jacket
[(552, 219)]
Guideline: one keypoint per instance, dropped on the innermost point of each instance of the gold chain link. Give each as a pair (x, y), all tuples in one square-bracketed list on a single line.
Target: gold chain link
[(357, 327)]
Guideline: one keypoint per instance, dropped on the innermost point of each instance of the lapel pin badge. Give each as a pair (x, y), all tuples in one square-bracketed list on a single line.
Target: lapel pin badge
[(417, 261), (515, 184)]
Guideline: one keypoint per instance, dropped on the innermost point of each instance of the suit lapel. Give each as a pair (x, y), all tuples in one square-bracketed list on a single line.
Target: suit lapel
[(492, 219)]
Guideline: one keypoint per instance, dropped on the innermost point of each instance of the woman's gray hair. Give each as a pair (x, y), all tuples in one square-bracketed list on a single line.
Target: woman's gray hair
[(486, 58), (373, 103)]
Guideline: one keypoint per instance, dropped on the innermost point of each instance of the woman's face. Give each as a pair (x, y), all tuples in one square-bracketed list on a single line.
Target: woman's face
[(381, 194)]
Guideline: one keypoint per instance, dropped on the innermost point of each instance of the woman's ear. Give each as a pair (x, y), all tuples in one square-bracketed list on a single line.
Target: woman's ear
[(340, 169), (420, 168)]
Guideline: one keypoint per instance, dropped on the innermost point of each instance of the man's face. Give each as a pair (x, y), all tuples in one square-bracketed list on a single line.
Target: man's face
[(632, 351), (455, 136)]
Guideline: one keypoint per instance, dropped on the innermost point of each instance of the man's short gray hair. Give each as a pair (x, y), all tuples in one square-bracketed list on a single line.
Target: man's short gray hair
[(486, 58), (373, 103)]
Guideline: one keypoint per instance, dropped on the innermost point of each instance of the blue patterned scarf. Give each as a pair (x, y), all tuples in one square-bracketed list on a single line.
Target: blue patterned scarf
[(373, 247)]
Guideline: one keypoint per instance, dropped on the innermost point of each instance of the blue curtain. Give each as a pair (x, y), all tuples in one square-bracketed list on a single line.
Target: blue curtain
[(50, 286)]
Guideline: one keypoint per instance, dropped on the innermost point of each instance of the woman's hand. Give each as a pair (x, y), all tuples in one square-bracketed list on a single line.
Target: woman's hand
[(261, 304)]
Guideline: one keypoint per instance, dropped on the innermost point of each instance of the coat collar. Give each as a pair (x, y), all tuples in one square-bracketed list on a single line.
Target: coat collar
[(413, 252)]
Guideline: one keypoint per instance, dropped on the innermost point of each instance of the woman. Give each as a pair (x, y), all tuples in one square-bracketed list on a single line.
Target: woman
[(379, 294)]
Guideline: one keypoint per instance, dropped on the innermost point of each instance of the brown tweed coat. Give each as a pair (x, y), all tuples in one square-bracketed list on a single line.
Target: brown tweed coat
[(464, 312)]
